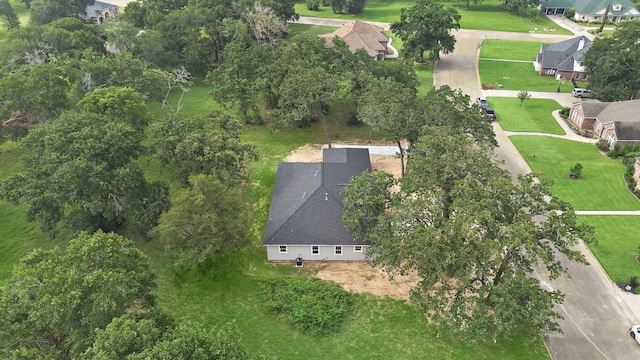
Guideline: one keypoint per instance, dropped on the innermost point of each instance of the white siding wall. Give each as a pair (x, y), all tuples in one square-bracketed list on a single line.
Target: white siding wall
[(326, 252)]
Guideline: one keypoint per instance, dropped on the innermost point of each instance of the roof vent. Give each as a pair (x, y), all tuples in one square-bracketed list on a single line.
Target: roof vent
[(326, 196), (316, 173), (304, 194)]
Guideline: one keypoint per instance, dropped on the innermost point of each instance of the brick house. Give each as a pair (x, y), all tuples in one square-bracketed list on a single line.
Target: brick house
[(616, 122), (563, 59)]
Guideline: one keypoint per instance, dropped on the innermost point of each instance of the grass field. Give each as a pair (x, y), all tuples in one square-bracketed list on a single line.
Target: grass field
[(510, 50), (534, 115), (618, 244), (518, 76), (601, 186), (488, 15)]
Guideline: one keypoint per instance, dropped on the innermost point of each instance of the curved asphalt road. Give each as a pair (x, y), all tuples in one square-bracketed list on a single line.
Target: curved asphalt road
[(596, 313)]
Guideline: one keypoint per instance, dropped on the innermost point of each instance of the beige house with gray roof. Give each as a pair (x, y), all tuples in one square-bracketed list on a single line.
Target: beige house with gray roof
[(616, 122), (361, 35)]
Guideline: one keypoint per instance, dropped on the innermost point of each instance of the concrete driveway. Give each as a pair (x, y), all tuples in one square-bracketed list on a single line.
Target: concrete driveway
[(596, 313)]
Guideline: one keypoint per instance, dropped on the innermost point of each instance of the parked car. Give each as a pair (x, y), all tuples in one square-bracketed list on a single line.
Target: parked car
[(488, 110), (635, 332), (581, 93), (482, 102)]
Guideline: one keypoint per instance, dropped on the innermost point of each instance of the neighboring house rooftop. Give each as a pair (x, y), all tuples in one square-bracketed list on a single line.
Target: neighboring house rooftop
[(361, 35), (99, 9), (624, 111), (595, 7), (591, 108), (306, 205), (564, 55)]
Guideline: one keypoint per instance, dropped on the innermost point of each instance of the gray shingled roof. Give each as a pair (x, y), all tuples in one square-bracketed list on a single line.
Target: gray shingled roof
[(306, 205), (626, 111), (561, 4), (591, 108), (629, 131), (562, 55), (96, 7)]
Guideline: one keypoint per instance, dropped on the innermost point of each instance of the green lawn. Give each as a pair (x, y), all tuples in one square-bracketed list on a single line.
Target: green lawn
[(518, 76), (425, 77), (618, 244), (295, 29), (489, 15), (601, 186), (534, 115), (510, 49)]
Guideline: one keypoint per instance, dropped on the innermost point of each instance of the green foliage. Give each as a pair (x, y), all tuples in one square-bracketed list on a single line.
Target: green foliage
[(203, 145), (602, 145), (46, 11), (205, 220), (80, 173), (313, 306), (533, 13), (564, 112), (347, 6), (571, 13), (520, 6), (7, 16), (118, 104), (56, 299), (313, 5), (427, 27), (614, 72), (615, 151), (576, 170)]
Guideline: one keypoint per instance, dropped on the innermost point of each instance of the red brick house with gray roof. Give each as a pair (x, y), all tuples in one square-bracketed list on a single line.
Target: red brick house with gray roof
[(616, 122)]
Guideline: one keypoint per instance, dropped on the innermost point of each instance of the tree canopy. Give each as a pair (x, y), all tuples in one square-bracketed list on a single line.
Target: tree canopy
[(427, 27), (612, 64), (45, 11), (471, 235), (80, 173)]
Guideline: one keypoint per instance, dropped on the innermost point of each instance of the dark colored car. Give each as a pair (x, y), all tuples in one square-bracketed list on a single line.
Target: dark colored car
[(489, 112)]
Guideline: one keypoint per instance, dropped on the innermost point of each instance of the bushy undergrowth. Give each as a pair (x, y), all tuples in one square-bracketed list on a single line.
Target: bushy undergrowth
[(310, 305)]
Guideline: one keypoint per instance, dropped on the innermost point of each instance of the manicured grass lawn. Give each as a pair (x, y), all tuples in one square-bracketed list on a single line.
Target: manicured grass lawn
[(295, 29), (510, 49), (618, 243), (518, 76), (601, 186), (425, 76), (533, 116), (489, 15)]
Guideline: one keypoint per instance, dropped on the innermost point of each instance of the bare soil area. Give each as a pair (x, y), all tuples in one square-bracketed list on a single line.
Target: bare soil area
[(359, 277)]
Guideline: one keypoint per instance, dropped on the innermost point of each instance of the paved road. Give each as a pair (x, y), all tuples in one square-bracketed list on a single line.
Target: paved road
[(596, 313)]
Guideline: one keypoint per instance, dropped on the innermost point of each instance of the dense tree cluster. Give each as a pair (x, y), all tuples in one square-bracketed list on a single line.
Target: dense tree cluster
[(94, 300), (457, 220), (612, 64)]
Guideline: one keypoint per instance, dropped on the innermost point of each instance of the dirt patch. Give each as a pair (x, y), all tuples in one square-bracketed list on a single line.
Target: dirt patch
[(361, 277), (313, 153)]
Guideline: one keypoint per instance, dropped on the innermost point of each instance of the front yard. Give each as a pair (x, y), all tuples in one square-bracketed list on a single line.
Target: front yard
[(534, 115), (510, 75)]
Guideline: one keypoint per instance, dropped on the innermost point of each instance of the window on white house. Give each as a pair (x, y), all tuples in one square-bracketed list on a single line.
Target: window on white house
[(337, 250), (357, 248), (315, 250), (283, 249)]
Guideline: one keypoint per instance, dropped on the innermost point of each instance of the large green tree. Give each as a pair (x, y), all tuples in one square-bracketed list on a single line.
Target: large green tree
[(207, 219), (203, 145), (56, 299), (472, 236), (45, 11), (613, 64), (520, 6), (7, 16), (80, 171), (427, 27)]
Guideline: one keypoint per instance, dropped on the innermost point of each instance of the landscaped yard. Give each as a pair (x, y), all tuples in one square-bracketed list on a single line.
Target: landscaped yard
[(534, 115), (488, 15), (601, 186), (618, 244), (510, 50), (518, 76), (295, 29)]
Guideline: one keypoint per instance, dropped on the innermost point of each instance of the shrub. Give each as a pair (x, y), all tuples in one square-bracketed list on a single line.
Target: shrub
[(628, 148), (564, 112), (633, 282), (313, 306), (326, 2), (313, 5), (571, 12), (576, 170), (615, 152), (602, 145)]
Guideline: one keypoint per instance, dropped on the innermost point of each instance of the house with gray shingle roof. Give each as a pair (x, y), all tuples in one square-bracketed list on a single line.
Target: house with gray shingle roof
[(616, 122), (305, 216), (361, 35), (563, 59), (100, 11), (592, 10)]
